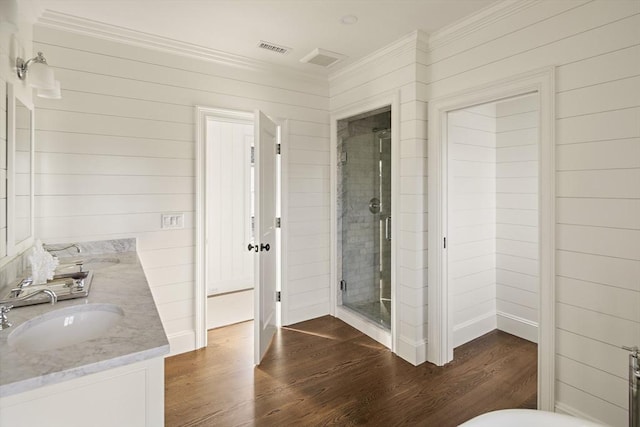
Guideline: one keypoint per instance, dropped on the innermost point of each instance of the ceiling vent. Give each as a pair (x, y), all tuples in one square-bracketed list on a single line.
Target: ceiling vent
[(322, 57), (273, 47)]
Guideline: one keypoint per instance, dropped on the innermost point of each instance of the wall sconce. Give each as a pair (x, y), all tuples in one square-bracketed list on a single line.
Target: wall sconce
[(40, 76)]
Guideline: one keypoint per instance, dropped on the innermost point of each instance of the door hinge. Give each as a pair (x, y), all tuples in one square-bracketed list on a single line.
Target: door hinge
[(278, 149), (278, 296), (343, 285), (278, 222)]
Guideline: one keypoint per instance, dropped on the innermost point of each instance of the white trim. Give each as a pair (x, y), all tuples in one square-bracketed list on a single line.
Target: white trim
[(13, 247), (181, 342), (440, 349), (473, 328), (414, 352), (284, 228), (365, 326), (92, 28), (563, 408), (391, 98), (515, 325), (468, 25)]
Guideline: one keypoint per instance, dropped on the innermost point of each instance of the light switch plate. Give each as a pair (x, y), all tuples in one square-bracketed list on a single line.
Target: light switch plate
[(172, 220)]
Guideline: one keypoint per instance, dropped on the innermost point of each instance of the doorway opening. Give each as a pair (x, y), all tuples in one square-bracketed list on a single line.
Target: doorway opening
[(230, 181), (238, 226), (364, 176), (491, 219), (492, 224), (364, 215)]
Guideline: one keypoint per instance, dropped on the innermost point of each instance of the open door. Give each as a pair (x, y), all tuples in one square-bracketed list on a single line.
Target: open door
[(266, 140)]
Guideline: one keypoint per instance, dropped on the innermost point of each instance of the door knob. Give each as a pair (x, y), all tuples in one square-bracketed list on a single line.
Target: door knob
[(265, 247), (252, 247)]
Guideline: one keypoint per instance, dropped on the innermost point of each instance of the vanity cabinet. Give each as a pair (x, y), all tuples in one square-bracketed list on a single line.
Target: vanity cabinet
[(131, 395)]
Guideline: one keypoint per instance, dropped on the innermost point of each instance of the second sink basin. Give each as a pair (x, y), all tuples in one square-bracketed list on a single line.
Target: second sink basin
[(65, 327)]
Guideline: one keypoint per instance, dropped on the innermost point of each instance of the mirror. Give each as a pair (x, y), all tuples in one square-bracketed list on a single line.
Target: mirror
[(20, 162)]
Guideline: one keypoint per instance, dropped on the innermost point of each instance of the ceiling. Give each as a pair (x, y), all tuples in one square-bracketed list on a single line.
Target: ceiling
[(237, 26)]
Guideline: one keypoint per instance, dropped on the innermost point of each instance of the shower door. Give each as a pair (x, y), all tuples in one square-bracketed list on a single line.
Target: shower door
[(365, 224)]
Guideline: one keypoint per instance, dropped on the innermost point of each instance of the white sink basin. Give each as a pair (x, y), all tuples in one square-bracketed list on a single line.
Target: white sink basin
[(64, 327)]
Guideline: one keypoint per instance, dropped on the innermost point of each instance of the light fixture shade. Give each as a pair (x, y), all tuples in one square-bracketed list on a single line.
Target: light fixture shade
[(8, 16), (40, 76), (54, 93)]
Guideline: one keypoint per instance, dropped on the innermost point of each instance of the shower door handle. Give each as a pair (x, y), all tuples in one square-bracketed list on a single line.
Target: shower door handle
[(387, 228)]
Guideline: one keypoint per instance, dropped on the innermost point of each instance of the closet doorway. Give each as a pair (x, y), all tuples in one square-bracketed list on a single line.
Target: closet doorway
[(491, 218), (231, 220), (238, 239)]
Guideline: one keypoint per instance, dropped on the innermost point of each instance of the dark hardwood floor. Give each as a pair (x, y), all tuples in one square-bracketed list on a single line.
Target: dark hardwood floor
[(323, 372)]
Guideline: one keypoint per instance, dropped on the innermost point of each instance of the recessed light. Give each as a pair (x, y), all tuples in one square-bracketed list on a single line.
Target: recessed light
[(349, 19)]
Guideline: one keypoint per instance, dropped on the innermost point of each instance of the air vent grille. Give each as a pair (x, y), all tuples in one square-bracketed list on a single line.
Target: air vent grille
[(273, 47), (322, 57)]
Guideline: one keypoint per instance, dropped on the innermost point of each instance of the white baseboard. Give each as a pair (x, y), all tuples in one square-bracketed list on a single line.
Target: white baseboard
[(228, 309), (474, 328), (562, 408), (413, 352), (181, 342), (370, 329), (514, 325)]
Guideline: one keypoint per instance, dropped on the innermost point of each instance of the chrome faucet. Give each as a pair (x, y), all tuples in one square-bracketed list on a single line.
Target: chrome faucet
[(4, 309), (4, 322)]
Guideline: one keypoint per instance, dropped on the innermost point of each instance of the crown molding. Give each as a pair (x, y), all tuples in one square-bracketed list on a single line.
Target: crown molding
[(491, 14), (403, 44), (92, 28)]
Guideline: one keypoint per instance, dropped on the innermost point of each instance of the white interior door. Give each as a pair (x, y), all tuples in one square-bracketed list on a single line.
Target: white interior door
[(266, 139)]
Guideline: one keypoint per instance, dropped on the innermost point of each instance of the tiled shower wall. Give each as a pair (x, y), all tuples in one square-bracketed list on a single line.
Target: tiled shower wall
[(358, 228)]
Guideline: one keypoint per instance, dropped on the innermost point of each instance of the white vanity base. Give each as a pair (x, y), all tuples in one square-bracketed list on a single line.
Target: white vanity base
[(131, 395)]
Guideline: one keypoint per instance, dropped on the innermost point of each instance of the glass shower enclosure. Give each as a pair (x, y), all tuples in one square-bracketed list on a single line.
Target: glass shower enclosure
[(364, 215)]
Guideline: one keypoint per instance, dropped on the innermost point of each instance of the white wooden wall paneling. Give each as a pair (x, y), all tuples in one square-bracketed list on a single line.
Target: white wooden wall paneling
[(133, 69), (607, 67), (596, 41), (117, 49), (78, 143), (589, 16), (124, 135), (528, 18)]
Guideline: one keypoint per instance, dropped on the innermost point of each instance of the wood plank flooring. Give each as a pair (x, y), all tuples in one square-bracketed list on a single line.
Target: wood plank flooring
[(323, 372)]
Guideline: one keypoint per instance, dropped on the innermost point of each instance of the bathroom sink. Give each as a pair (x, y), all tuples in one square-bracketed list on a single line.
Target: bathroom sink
[(65, 327)]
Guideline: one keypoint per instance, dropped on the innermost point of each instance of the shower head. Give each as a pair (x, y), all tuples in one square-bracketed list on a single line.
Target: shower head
[(381, 131)]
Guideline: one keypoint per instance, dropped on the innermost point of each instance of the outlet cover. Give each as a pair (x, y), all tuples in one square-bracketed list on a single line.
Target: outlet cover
[(172, 220)]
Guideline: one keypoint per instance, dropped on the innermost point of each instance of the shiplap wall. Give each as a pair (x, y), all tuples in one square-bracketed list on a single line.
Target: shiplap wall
[(393, 70), (118, 150), (595, 46), (517, 278), (471, 236)]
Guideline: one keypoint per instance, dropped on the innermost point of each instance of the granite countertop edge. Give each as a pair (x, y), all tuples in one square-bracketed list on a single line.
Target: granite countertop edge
[(118, 279)]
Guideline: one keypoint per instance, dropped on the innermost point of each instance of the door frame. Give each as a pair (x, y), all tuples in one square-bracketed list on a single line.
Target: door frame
[(440, 325), (387, 99), (202, 113)]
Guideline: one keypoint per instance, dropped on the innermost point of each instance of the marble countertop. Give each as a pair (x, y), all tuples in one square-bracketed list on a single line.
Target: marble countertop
[(118, 279)]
